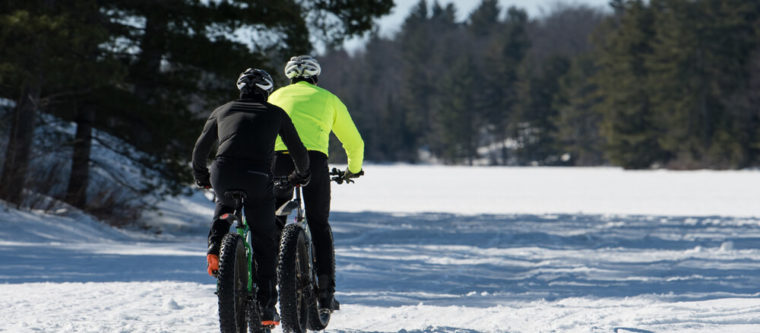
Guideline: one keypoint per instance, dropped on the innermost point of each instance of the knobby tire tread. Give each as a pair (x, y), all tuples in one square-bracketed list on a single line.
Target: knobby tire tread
[(288, 281), (317, 320), (229, 256)]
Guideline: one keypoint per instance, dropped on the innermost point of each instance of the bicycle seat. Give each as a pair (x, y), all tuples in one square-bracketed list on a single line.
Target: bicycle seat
[(235, 194)]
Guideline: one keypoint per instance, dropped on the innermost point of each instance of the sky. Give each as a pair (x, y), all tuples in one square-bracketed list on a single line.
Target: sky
[(391, 23)]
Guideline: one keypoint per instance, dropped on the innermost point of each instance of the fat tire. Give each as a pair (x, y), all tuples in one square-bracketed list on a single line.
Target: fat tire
[(234, 308), (318, 320), (296, 290)]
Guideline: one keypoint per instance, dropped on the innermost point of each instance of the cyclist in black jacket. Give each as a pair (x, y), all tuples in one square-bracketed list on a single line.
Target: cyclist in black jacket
[(246, 130)]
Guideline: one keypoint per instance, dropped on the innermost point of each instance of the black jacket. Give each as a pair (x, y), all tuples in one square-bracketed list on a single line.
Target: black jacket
[(246, 130)]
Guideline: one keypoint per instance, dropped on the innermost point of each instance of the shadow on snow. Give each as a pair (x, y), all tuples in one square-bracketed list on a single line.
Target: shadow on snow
[(446, 259)]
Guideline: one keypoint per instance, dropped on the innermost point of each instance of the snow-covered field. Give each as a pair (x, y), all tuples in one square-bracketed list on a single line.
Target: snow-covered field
[(430, 249)]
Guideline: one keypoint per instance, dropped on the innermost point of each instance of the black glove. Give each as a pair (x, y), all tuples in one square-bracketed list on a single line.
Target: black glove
[(296, 178), (203, 179), (348, 175)]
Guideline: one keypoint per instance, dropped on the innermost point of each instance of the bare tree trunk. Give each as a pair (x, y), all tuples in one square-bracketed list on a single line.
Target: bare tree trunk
[(19, 147), (76, 193)]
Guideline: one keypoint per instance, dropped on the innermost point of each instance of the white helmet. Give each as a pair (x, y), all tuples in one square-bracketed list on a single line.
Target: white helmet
[(253, 77), (302, 67)]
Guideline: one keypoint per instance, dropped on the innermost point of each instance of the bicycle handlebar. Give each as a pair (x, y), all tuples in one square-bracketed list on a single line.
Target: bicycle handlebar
[(336, 175), (339, 176)]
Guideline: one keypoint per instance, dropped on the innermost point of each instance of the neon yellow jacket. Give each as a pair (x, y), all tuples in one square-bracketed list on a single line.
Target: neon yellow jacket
[(315, 112)]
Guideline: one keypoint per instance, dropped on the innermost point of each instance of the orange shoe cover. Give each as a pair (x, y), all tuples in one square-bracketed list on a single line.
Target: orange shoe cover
[(213, 264), (270, 323)]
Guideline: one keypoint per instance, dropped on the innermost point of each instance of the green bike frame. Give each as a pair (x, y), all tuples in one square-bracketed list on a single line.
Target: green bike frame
[(245, 232)]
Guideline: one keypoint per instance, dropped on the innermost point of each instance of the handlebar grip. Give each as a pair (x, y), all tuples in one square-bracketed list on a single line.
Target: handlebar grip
[(336, 172)]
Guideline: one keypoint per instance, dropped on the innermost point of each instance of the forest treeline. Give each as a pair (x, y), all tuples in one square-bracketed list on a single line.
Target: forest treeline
[(145, 72), (659, 83)]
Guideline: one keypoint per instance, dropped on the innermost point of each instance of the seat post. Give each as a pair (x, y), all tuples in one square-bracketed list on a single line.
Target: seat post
[(238, 196)]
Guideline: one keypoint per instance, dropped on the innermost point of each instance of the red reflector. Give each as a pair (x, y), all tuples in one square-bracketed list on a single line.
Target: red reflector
[(225, 216)]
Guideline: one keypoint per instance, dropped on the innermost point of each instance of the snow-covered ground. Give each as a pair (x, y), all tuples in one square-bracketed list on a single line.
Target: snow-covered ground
[(430, 249), (465, 190)]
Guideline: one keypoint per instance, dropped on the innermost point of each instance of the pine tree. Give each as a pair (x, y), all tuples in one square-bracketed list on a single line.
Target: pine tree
[(146, 71), (456, 125), (485, 18), (734, 143), (699, 61), (51, 56), (536, 131), (628, 124), (499, 92), (417, 87), (578, 119)]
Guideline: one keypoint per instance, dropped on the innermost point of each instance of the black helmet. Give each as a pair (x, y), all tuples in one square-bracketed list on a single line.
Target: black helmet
[(253, 78)]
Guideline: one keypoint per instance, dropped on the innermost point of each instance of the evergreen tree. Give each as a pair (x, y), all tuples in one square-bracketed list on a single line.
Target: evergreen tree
[(387, 132), (485, 18), (578, 119), (628, 122), (51, 55), (416, 41), (536, 130), (102, 70), (699, 59), (456, 124), (499, 94), (369, 86), (176, 59)]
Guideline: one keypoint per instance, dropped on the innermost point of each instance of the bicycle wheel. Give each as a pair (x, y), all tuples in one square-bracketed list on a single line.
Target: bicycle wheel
[(318, 319), (294, 279), (232, 285)]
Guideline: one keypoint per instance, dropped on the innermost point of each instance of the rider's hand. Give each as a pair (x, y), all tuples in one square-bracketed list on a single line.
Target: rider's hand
[(348, 175), (202, 179), (296, 178), (203, 182)]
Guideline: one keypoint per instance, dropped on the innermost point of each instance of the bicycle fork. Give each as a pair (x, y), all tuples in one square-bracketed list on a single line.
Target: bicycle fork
[(301, 222)]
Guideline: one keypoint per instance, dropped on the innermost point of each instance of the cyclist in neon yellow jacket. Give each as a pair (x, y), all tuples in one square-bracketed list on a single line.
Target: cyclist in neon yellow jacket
[(315, 113)]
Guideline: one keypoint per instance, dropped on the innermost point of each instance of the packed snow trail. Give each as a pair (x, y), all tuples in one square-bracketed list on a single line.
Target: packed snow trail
[(422, 272), (414, 271), (447, 259)]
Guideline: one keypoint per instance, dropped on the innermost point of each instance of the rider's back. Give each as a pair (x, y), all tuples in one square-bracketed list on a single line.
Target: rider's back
[(312, 110), (316, 112), (247, 130)]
